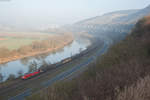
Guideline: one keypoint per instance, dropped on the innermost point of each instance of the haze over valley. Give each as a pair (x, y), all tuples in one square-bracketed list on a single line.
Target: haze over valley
[(74, 50), (38, 15)]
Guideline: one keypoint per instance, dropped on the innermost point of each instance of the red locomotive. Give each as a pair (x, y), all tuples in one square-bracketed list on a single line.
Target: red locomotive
[(27, 76)]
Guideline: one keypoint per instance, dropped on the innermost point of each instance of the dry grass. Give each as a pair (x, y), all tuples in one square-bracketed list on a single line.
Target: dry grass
[(138, 91), (148, 20)]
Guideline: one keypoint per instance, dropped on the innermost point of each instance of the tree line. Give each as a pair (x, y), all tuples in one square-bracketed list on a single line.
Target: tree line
[(36, 46)]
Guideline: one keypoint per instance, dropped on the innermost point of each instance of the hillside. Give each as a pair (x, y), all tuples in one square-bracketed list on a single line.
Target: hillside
[(121, 74), (114, 25), (118, 17), (108, 18)]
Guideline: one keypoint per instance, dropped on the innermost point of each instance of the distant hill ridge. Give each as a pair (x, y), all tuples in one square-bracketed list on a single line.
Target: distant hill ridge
[(114, 26), (118, 17)]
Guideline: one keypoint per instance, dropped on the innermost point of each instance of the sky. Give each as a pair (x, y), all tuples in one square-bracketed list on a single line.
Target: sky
[(42, 13)]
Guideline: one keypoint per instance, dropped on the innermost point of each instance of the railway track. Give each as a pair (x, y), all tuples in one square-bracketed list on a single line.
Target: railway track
[(18, 83)]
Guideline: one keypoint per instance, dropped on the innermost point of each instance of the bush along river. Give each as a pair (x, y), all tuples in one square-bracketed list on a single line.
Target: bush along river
[(19, 67)]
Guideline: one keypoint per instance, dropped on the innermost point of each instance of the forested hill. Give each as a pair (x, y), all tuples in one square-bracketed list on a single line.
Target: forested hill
[(121, 74)]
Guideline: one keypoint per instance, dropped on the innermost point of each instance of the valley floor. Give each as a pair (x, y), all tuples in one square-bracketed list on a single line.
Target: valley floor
[(50, 43), (48, 50)]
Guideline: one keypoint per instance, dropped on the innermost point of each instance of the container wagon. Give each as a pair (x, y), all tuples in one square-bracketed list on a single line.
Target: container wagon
[(66, 60)]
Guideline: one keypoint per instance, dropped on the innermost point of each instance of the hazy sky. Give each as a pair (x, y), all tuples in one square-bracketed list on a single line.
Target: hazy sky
[(46, 12)]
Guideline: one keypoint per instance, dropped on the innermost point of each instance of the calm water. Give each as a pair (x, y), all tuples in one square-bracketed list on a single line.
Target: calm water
[(20, 67)]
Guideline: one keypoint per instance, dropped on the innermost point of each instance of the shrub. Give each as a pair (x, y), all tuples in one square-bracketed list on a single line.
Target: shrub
[(138, 91)]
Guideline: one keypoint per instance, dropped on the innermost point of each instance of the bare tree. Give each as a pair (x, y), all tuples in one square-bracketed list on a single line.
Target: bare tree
[(1, 77), (20, 73), (11, 77)]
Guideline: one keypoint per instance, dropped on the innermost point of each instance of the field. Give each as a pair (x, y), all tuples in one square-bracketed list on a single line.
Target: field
[(14, 40), (19, 45), (15, 43)]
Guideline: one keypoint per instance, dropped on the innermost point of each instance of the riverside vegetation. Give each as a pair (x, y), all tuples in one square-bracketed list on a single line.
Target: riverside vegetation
[(123, 73), (19, 46)]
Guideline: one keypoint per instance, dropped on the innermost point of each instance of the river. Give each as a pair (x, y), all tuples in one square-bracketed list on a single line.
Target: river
[(20, 67)]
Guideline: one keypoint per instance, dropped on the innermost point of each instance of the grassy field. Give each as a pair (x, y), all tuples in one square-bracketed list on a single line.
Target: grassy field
[(15, 43), (14, 40)]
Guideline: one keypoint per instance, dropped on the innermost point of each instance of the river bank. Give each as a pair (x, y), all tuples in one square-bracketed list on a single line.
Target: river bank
[(34, 53)]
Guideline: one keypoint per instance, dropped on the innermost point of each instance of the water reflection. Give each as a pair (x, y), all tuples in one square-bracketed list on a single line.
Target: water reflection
[(25, 61), (11, 77), (2, 65), (33, 66), (19, 67)]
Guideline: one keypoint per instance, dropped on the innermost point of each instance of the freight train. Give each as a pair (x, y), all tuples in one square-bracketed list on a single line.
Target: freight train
[(67, 60), (30, 75)]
